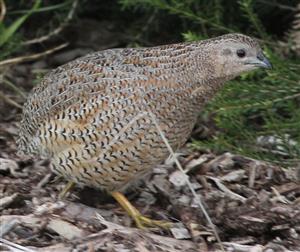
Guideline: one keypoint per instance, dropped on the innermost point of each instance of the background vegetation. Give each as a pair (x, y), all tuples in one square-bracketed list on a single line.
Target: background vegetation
[(257, 115)]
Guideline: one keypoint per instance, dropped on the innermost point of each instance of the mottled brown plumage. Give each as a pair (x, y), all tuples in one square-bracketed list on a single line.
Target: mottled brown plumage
[(91, 116)]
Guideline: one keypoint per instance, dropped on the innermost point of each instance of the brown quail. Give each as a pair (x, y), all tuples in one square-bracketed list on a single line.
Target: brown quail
[(91, 115)]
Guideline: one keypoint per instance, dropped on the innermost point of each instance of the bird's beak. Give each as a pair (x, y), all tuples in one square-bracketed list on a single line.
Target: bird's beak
[(260, 61)]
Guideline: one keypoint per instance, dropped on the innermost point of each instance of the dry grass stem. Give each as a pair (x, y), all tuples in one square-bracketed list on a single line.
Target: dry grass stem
[(2, 10), (57, 30), (9, 100), (22, 59), (14, 87), (13, 246), (196, 196)]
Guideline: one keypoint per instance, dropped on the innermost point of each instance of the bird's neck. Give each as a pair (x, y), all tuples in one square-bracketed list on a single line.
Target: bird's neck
[(194, 66), (199, 73), (187, 66)]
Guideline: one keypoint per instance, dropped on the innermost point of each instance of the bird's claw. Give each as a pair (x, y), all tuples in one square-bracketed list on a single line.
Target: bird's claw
[(144, 222), (66, 189)]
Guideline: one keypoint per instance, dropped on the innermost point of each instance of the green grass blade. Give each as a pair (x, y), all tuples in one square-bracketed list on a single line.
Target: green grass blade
[(7, 33)]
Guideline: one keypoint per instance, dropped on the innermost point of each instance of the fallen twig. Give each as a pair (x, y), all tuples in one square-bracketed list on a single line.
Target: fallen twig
[(44, 181), (13, 87), (252, 173), (57, 30), (9, 100), (279, 197), (32, 57), (227, 191), (3, 10), (13, 246)]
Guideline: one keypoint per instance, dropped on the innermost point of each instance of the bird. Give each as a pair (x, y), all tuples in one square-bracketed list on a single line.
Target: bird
[(93, 116)]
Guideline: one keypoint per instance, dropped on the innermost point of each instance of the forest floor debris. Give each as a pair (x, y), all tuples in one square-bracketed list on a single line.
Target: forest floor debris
[(251, 210)]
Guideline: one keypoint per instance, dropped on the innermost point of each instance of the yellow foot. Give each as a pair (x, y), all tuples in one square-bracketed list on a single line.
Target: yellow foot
[(67, 188), (144, 222), (141, 221)]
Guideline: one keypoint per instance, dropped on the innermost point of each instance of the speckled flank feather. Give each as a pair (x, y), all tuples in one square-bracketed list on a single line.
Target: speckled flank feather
[(90, 115)]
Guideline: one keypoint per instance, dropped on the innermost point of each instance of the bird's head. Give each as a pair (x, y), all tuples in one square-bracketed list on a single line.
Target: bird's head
[(235, 54)]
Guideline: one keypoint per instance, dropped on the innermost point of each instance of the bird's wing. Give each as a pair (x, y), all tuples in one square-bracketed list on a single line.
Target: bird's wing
[(102, 83), (95, 76)]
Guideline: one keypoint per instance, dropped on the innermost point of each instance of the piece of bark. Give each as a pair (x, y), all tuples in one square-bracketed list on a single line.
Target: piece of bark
[(117, 238)]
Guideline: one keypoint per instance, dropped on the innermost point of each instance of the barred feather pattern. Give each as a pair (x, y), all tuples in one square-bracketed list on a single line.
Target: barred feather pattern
[(91, 116)]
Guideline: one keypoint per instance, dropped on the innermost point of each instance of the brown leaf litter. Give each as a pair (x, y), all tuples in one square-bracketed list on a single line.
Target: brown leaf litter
[(254, 205)]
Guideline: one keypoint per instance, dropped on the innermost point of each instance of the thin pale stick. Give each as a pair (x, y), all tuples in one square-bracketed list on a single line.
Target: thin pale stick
[(57, 30), (10, 101), (14, 87), (14, 246), (197, 197), (31, 57), (3, 10)]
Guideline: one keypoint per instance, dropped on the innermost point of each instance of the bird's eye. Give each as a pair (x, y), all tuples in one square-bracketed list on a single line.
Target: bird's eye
[(241, 53)]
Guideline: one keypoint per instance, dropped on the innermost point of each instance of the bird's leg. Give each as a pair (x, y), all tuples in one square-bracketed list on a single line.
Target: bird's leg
[(67, 188), (141, 221)]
